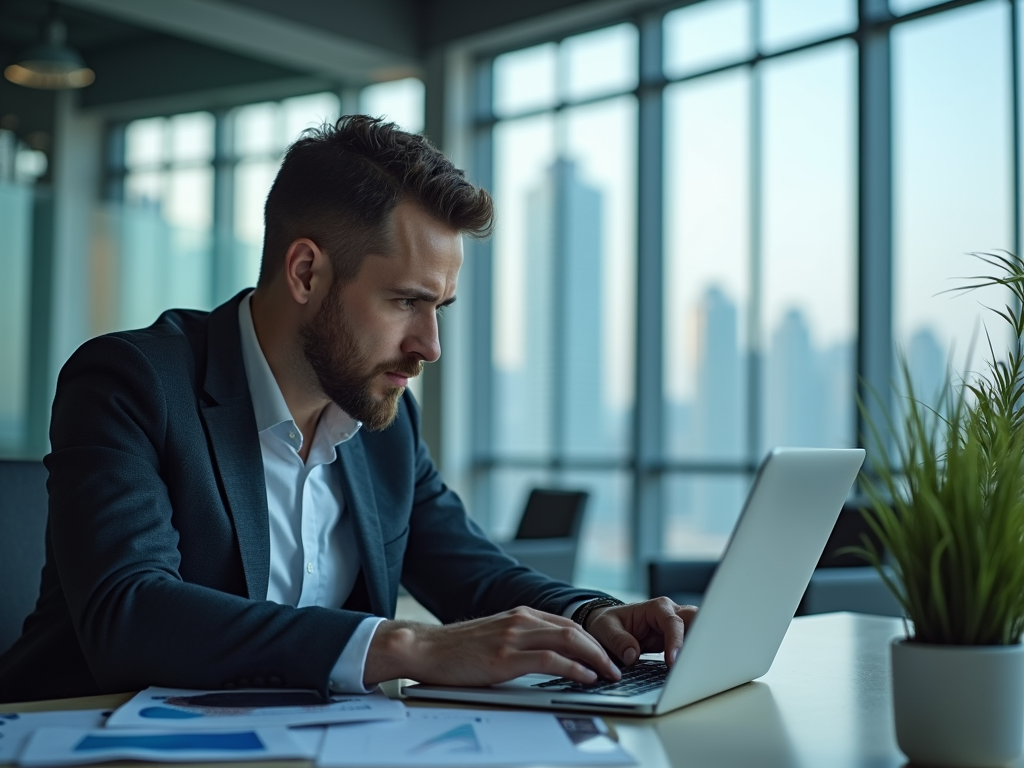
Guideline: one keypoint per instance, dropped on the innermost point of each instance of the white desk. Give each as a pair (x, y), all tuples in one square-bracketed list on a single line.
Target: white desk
[(825, 702)]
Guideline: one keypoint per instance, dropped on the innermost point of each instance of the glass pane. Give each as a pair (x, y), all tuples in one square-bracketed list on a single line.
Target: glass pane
[(525, 80), (786, 23), (253, 179), (899, 7), (16, 204), (507, 492), (190, 198), (707, 241), (604, 560), (809, 312), (192, 137), (952, 180), (144, 142), (707, 35), (400, 101), (701, 512), (144, 189), (524, 153), (257, 130), (594, 256), (600, 62), (302, 112)]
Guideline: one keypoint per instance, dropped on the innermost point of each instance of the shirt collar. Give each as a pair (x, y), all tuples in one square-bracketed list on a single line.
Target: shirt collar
[(268, 403)]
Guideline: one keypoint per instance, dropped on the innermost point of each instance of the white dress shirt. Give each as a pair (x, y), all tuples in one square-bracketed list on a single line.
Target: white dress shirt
[(314, 558)]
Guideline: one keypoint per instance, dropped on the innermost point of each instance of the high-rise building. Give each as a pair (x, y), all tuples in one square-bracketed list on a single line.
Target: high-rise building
[(556, 401)]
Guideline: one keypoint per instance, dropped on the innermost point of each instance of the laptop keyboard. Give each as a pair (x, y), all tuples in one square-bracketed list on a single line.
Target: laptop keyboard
[(639, 678)]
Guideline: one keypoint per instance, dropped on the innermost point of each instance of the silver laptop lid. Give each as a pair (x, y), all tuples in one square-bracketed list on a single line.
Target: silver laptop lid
[(791, 509)]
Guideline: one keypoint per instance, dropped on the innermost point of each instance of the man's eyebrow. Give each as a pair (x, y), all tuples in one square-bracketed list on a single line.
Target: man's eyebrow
[(422, 295)]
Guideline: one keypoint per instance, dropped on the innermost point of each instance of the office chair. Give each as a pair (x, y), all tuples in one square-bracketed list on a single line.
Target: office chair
[(23, 509), (548, 535), (841, 581)]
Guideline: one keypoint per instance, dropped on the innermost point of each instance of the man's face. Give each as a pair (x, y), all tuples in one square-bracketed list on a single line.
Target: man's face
[(371, 335)]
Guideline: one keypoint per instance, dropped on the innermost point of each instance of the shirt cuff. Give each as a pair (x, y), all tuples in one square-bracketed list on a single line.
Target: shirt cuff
[(347, 674), (571, 608)]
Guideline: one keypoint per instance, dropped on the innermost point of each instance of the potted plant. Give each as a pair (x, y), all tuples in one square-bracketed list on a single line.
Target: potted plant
[(947, 505)]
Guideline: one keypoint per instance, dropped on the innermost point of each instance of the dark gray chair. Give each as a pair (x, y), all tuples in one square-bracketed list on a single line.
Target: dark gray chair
[(841, 581), (23, 503), (549, 530)]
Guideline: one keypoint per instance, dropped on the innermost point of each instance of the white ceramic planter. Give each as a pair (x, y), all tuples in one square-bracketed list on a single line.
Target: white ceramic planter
[(958, 706)]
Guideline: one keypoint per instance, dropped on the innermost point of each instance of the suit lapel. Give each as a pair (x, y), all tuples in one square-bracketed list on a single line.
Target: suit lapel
[(234, 442), (361, 502)]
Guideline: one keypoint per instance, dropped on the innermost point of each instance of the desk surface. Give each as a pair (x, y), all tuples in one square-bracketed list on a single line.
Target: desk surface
[(825, 701)]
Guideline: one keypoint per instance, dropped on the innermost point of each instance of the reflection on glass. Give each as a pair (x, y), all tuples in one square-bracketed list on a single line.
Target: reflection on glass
[(786, 23), (192, 137), (700, 512), (257, 129), (808, 332), (601, 62), (707, 265), (144, 142), (706, 35), (525, 80), (400, 101), (524, 153), (953, 185)]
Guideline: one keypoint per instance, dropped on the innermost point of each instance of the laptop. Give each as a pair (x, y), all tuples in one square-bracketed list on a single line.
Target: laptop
[(782, 530)]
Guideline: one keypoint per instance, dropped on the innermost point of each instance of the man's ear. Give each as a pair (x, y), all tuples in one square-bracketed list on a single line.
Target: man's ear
[(307, 270)]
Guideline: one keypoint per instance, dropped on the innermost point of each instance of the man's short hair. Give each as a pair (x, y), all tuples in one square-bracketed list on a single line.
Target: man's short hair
[(339, 183)]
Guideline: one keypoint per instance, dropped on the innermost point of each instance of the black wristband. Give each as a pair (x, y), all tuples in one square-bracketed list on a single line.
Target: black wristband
[(581, 614)]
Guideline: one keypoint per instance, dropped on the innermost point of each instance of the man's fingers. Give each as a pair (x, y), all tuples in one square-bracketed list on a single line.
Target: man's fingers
[(551, 663), (616, 639), (573, 643), (672, 627)]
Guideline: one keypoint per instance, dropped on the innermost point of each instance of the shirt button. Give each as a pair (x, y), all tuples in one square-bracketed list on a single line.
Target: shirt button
[(291, 435), (309, 567)]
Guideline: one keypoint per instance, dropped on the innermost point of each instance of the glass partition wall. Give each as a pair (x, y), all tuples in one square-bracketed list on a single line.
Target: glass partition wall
[(681, 277)]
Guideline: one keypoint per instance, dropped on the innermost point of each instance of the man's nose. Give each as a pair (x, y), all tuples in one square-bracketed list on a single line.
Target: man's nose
[(425, 341)]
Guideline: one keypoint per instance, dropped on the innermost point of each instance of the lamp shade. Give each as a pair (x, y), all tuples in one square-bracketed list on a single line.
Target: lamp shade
[(52, 65)]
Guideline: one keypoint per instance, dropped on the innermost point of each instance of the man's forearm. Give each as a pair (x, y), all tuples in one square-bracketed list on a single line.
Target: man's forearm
[(392, 652)]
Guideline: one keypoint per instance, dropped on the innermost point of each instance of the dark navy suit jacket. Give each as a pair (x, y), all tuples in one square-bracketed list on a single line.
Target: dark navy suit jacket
[(158, 545)]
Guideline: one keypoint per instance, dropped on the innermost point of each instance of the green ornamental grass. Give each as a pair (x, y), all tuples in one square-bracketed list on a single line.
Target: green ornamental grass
[(948, 499)]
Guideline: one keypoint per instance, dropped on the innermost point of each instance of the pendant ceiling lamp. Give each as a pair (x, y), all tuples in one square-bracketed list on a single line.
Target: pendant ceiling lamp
[(51, 64)]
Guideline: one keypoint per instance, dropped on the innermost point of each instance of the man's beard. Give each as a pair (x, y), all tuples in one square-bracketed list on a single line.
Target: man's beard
[(345, 372)]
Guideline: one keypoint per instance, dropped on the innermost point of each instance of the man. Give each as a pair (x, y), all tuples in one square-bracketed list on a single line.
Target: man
[(235, 495)]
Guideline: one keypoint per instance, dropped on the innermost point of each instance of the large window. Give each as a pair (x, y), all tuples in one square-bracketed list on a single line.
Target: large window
[(755, 161)]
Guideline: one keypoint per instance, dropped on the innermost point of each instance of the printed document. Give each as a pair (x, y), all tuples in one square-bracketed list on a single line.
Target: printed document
[(77, 746), (16, 728), (175, 709), (457, 737)]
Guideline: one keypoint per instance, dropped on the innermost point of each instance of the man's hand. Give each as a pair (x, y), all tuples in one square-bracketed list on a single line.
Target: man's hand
[(649, 627), (487, 651)]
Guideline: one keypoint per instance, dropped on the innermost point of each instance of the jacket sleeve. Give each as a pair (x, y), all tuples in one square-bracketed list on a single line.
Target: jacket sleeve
[(453, 569), (116, 546)]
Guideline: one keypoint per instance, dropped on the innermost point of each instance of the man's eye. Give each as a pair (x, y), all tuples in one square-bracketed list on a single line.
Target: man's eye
[(408, 303)]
